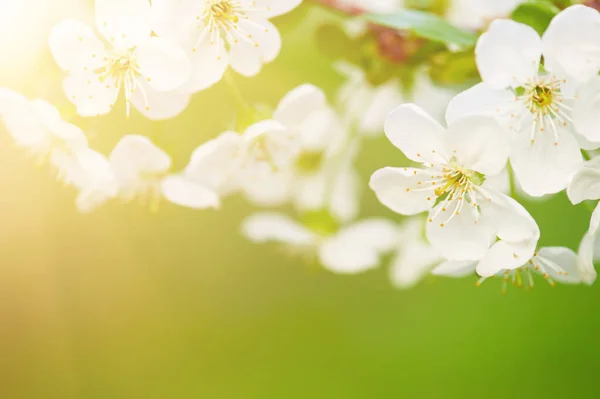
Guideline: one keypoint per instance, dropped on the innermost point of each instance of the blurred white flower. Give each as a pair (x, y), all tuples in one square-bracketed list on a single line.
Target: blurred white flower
[(535, 104), (218, 33), (351, 249), (589, 251), (322, 175), (211, 173), (585, 185), (477, 14), (148, 69), (142, 169), (466, 215), (555, 264), (38, 127), (367, 106), (414, 257)]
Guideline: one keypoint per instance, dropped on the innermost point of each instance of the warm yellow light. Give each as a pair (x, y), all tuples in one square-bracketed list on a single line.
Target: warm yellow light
[(25, 26)]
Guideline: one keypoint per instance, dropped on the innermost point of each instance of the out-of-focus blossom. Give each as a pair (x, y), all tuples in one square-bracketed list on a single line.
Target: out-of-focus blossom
[(468, 220), (352, 249), (367, 106), (148, 69), (477, 14), (414, 257)]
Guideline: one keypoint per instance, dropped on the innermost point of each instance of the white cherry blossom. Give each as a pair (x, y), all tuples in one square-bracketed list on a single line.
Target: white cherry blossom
[(218, 33), (211, 173), (142, 170), (351, 249), (585, 185), (147, 69), (532, 100), (555, 264), (37, 127), (468, 218)]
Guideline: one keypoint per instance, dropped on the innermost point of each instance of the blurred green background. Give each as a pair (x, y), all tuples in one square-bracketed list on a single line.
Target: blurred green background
[(123, 303)]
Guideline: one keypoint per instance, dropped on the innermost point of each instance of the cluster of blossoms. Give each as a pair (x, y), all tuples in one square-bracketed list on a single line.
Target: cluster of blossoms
[(526, 126)]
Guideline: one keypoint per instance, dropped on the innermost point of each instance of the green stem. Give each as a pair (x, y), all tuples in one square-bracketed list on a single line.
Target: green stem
[(238, 98), (511, 180)]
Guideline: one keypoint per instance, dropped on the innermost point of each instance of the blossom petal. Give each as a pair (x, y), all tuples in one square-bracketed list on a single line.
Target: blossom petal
[(184, 192), (461, 238), (480, 99), (91, 96), (157, 105), (19, 116), (270, 226), (384, 99), (587, 254), (163, 63), (546, 166), (357, 248), (216, 163), (416, 134), (508, 54), (455, 268), (135, 154), (245, 58), (479, 143), (124, 23), (272, 8), (415, 256), (399, 189), (595, 220), (586, 111), (176, 20), (570, 42), (345, 204), (299, 103), (75, 47), (565, 259), (505, 255), (209, 63), (585, 184)]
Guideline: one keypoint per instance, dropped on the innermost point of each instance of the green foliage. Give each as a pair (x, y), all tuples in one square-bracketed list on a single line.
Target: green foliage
[(454, 68), (536, 13), (425, 25)]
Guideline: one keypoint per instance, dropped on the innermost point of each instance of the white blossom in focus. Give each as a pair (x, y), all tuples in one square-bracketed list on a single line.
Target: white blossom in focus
[(147, 69), (537, 103), (555, 264), (351, 249), (468, 218), (218, 33)]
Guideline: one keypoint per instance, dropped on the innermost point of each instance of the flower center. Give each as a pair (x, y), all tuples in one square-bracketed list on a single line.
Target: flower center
[(223, 11), (536, 265), (122, 71), (542, 96), (544, 100)]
